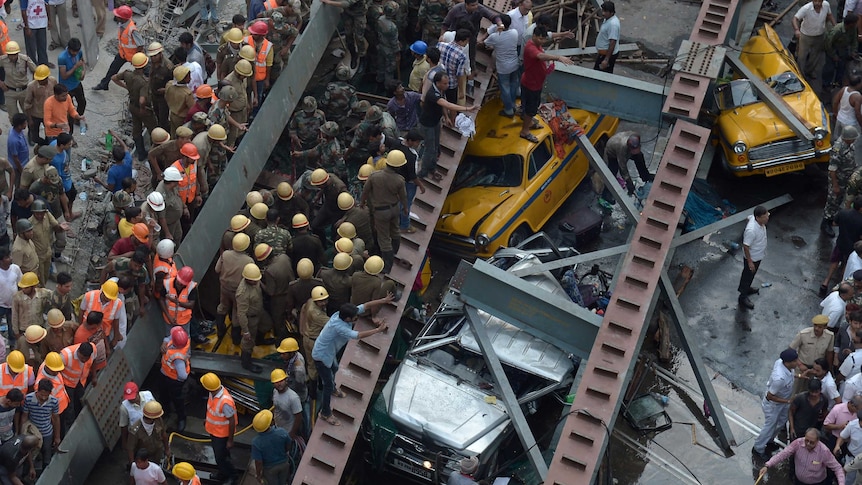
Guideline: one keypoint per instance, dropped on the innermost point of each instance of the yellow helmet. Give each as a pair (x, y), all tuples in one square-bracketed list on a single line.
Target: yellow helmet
[(29, 279), (54, 362), (210, 381), (234, 35), (396, 158), (12, 47), (153, 410), (364, 171), (344, 245), (288, 345), (110, 289), (262, 251), (56, 319), (319, 293), (345, 201), (42, 71), (258, 211), (277, 375), (253, 197), (34, 334), (247, 52), (284, 191), (184, 470), (342, 261), (243, 68), (239, 222), (180, 73), (251, 272), (140, 60), (346, 229), (319, 177), (15, 361), (374, 265), (240, 241), (304, 268), (159, 136), (262, 420), (217, 132), (299, 220)]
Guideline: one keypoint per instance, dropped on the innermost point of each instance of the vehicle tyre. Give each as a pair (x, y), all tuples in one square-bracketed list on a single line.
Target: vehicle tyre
[(518, 235)]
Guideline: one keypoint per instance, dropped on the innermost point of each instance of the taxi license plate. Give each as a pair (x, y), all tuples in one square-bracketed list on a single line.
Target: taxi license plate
[(786, 168), (411, 468)]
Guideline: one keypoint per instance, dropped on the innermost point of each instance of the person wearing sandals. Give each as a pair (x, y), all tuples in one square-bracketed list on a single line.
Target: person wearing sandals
[(537, 66), (334, 336), (429, 122)]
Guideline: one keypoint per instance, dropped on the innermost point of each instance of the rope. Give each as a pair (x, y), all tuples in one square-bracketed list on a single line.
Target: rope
[(207, 440)]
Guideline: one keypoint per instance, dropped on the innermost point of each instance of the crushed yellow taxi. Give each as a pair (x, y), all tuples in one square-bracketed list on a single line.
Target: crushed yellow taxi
[(506, 188), (753, 140)]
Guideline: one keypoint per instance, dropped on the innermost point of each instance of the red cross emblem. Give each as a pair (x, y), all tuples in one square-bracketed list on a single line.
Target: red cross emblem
[(38, 10)]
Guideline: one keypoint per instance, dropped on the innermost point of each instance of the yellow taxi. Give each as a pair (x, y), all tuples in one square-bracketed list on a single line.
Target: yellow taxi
[(753, 140), (506, 188)]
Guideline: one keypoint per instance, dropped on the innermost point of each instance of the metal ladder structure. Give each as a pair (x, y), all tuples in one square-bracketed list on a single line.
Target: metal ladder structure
[(586, 432), (168, 18), (329, 447)]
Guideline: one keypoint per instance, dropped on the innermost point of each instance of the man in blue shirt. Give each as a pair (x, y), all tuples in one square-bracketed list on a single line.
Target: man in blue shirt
[(334, 336), (269, 450), (122, 166), (17, 147), (63, 144), (72, 70)]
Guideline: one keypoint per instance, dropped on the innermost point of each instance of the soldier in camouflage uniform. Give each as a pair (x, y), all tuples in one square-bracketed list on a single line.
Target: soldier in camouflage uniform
[(431, 16), (339, 97), (375, 11), (853, 190), (353, 17), (842, 164), (305, 125), (327, 154), (282, 35), (388, 47), (277, 237), (366, 139)]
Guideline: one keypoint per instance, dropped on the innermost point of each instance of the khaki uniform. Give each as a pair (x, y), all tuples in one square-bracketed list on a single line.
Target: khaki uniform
[(34, 354), (139, 86), (180, 99), (277, 276), (384, 190), (250, 314), (229, 268), (25, 256), (277, 237), (314, 319), (365, 287), (18, 74), (297, 293), (226, 59), (154, 443), (34, 103), (27, 310), (43, 237), (33, 172), (165, 154), (239, 109), (361, 219), (173, 210), (337, 283), (159, 77), (810, 348), (58, 339), (289, 208)]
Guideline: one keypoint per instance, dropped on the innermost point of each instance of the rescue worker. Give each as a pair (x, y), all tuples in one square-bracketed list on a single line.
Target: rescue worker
[(161, 71), (138, 86), (191, 186), (360, 217), (270, 448), (23, 249), (348, 230), (257, 212), (61, 333), (330, 185), (38, 90), (263, 57), (125, 247), (306, 245), (369, 284), (77, 371), (304, 127), (129, 42), (180, 295), (345, 245), (229, 267), (283, 35), (105, 300), (49, 236), (179, 96), (176, 366), (383, 192), (17, 66), (135, 268), (131, 409), (15, 373), (163, 266), (220, 424), (312, 318), (185, 473), (251, 317), (91, 331), (294, 364), (339, 97), (159, 137), (278, 273), (51, 369), (27, 305), (353, 16), (150, 434), (175, 207), (239, 108), (211, 148), (337, 281), (238, 224), (299, 289), (32, 344), (388, 47), (286, 204), (273, 235), (228, 53), (327, 154)]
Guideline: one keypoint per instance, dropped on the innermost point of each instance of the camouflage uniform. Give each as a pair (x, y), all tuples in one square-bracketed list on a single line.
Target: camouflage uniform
[(843, 162), (339, 97), (353, 18), (327, 154), (388, 46), (277, 237), (431, 16), (375, 11), (306, 125), (853, 190), (359, 145), (282, 34)]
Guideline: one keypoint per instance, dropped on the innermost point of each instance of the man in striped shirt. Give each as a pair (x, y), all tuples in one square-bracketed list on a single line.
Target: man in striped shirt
[(43, 410), (811, 459)]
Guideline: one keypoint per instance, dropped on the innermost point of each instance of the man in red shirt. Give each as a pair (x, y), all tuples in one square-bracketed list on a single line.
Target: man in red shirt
[(537, 66)]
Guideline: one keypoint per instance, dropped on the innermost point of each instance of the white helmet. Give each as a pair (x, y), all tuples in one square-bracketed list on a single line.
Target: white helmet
[(165, 249), (156, 201), (172, 175)]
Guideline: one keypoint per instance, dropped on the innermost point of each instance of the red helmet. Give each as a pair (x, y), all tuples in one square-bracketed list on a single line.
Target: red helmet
[(258, 28), (185, 275), (124, 12), (190, 150), (179, 337)]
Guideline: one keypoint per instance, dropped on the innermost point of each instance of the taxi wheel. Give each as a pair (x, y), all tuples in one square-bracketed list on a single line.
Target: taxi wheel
[(521, 233)]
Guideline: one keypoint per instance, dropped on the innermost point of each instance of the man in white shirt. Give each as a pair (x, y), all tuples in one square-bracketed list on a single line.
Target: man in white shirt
[(10, 275), (835, 303), (852, 435), (809, 26), (287, 406), (854, 261), (853, 363), (522, 17), (776, 402), (754, 247), (145, 472), (506, 42), (608, 40)]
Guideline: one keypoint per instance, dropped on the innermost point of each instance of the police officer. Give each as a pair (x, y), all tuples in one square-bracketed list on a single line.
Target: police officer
[(370, 282), (137, 84), (286, 204), (238, 225), (330, 185), (229, 267), (306, 245), (305, 125), (337, 281), (277, 275), (299, 290), (250, 315), (360, 217), (273, 235), (179, 96), (16, 66), (161, 71), (312, 319), (239, 108), (228, 53), (383, 192), (776, 402)]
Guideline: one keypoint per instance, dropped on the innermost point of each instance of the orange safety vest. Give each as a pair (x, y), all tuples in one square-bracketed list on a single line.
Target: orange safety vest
[(183, 315), (8, 382), (109, 310), (59, 390), (171, 355), (188, 186), (260, 58), (164, 266), (4, 37), (126, 45), (270, 4), (218, 424), (76, 372)]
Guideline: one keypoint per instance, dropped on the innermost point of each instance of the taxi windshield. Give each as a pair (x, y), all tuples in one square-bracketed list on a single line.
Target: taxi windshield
[(499, 171)]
